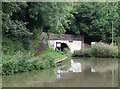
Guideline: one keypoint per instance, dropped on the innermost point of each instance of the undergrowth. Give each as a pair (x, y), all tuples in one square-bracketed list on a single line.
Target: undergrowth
[(99, 50)]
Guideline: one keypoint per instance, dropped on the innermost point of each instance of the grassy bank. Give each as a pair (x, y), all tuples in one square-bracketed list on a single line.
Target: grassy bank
[(101, 50), (19, 58), (23, 62)]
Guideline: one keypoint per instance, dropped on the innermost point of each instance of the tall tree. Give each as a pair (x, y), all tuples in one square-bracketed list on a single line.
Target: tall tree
[(95, 20)]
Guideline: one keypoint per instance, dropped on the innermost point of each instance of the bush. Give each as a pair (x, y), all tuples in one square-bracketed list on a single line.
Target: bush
[(23, 63), (83, 53), (104, 50), (99, 50), (10, 47), (17, 59)]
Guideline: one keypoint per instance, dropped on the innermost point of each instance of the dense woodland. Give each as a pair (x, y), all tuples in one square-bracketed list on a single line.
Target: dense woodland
[(25, 21)]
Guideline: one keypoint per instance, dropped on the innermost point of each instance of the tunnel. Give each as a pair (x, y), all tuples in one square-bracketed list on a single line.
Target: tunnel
[(63, 46)]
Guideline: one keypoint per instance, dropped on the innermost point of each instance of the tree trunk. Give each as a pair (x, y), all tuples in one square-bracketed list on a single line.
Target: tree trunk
[(119, 48)]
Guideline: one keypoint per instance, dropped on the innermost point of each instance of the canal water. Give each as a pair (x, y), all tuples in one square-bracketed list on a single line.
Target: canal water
[(83, 72)]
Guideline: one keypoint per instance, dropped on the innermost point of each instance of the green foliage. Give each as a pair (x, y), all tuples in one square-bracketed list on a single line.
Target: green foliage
[(51, 16), (83, 53), (23, 63), (14, 29), (67, 52), (53, 52), (104, 50), (94, 20), (26, 21), (10, 47), (99, 50)]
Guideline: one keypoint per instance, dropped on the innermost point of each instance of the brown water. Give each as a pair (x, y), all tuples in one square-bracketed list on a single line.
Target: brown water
[(84, 72)]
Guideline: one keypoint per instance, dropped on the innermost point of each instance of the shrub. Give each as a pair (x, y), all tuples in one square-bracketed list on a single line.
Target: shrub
[(99, 50), (104, 50), (9, 46), (23, 63), (82, 53)]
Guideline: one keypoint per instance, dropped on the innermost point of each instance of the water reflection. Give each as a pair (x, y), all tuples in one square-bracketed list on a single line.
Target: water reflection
[(92, 70), (94, 65), (0, 81), (75, 67), (83, 72)]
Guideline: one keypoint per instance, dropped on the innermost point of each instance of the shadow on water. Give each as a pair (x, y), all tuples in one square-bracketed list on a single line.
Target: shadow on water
[(83, 72)]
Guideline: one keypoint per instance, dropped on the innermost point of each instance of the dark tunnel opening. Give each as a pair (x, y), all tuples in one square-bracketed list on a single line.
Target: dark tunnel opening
[(63, 46)]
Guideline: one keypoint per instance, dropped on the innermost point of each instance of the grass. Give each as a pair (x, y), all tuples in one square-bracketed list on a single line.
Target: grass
[(53, 52)]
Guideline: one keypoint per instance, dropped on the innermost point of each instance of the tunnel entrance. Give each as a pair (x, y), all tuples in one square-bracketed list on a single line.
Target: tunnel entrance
[(64, 46), (61, 46)]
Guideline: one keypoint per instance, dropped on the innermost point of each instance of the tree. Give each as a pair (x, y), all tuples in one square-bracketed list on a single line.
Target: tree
[(25, 21), (50, 17), (95, 20)]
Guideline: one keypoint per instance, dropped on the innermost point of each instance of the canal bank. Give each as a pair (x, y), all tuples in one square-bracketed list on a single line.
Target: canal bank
[(21, 62), (85, 72)]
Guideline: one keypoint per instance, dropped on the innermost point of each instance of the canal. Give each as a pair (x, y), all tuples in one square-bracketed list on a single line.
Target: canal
[(83, 72)]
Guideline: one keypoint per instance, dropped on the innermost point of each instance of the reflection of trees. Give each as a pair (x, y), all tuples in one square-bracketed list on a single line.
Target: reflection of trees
[(86, 79), (105, 65), (29, 78), (100, 64), (104, 75)]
